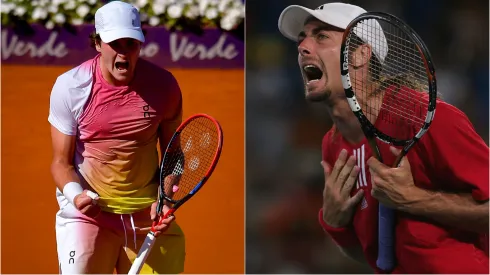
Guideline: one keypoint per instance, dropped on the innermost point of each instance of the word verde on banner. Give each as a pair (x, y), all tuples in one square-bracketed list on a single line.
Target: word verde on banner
[(212, 49)]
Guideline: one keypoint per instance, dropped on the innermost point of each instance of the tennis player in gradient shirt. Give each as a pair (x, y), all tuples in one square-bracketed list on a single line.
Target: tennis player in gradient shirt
[(107, 116), (440, 191)]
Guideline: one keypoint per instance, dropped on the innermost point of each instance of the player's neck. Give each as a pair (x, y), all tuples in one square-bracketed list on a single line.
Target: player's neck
[(346, 122)]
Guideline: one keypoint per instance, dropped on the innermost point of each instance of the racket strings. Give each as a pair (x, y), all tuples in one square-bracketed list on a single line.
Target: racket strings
[(194, 151), (394, 90), (406, 59)]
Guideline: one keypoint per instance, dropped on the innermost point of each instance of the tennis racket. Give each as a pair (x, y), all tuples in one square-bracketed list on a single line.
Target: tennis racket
[(388, 74), (188, 162)]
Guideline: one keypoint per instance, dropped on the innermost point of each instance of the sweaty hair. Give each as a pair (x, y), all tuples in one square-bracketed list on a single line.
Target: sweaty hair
[(384, 80)]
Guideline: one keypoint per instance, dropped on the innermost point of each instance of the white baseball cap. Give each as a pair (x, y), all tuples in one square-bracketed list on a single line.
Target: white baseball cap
[(292, 20), (116, 20)]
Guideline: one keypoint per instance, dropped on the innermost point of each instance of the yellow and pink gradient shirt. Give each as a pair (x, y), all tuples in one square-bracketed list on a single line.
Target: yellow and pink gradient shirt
[(117, 129)]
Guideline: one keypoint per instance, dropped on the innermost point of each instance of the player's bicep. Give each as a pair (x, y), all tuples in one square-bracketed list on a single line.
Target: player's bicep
[(60, 113), (63, 147)]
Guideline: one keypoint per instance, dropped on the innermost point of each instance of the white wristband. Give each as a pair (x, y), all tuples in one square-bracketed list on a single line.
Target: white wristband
[(92, 195), (71, 190)]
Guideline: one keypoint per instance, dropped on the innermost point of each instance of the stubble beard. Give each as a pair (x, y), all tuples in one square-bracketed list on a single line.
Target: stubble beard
[(318, 96)]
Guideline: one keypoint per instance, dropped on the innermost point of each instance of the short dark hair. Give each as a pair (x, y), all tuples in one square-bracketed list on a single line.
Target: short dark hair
[(95, 38)]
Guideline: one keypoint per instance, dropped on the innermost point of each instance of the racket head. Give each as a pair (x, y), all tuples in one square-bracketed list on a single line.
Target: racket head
[(400, 80), (189, 159), (388, 74)]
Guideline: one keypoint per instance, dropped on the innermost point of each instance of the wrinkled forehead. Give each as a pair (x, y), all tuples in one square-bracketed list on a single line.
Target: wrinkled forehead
[(312, 23)]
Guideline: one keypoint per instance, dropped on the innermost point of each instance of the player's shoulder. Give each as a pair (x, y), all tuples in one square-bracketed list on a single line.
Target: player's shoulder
[(76, 76), (447, 108), (72, 87), (449, 123), (448, 115)]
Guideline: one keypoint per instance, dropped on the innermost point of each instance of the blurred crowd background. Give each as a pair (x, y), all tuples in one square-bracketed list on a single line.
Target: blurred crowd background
[(284, 132)]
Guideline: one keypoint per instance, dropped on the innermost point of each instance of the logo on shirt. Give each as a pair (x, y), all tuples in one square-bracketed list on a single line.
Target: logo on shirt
[(364, 203), (146, 110), (72, 257), (359, 153)]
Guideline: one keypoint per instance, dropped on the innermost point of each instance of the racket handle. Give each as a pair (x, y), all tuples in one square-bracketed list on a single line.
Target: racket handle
[(386, 238), (142, 254), (160, 221), (147, 245)]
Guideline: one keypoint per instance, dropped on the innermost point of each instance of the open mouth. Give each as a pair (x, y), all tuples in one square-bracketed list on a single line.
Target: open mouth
[(312, 73), (122, 66)]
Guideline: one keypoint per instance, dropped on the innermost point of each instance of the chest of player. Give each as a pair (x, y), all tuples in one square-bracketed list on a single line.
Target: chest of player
[(362, 152), (121, 115), (365, 219)]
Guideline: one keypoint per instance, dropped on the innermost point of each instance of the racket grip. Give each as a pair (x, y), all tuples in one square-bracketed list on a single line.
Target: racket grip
[(386, 239), (142, 254), (169, 212)]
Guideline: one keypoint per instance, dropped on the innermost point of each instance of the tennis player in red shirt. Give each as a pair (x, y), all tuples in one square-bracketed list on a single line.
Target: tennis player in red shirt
[(440, 190)]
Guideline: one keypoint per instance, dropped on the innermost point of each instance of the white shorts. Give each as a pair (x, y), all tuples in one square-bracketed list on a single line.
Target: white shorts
[(110, 242)]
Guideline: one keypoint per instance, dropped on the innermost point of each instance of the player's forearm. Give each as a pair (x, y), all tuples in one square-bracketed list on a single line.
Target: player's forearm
[(63, 173), (454, 210), (345, 239)]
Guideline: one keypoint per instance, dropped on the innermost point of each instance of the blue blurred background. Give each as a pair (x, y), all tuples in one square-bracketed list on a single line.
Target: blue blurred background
[(284, 132)]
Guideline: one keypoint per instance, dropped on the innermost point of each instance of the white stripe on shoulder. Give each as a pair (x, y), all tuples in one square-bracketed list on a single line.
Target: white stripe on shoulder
[(82, 75), (69, 95)]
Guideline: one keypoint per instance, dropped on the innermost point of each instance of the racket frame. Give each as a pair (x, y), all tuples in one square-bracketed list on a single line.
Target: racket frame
[(150, 237), (161, 194), (386, 236)]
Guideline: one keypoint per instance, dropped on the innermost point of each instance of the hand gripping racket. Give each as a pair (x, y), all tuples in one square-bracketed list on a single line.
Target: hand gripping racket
[(188, 162), (388, 74)]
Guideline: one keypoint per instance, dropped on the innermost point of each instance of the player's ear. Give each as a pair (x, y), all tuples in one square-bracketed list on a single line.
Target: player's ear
[(362, 55), (97, 46)]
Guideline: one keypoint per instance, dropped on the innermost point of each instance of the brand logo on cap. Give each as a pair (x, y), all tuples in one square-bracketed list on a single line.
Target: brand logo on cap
[(134, 17)]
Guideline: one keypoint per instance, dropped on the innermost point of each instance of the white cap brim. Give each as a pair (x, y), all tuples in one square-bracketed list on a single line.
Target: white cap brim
[(292, 20), (111, 35)]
